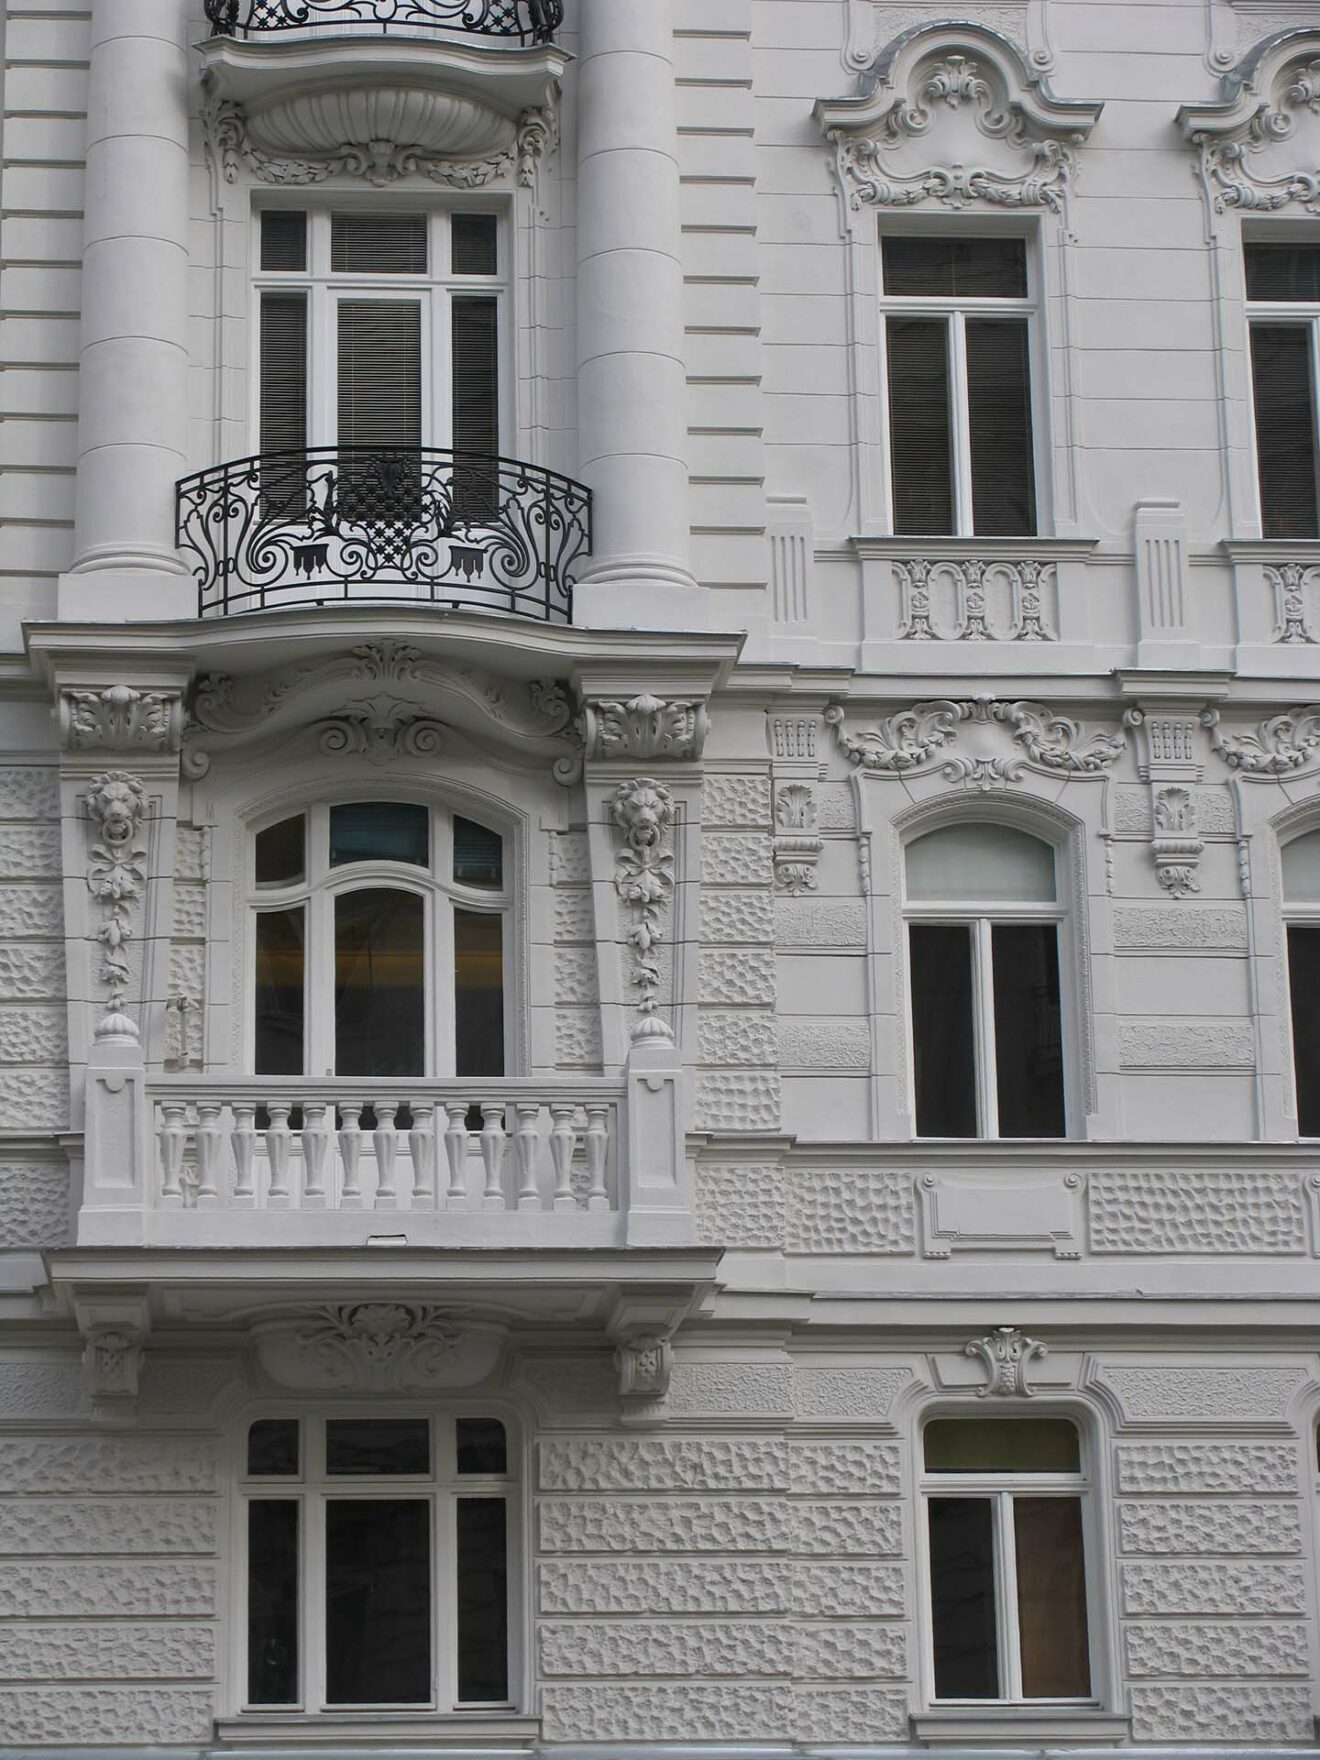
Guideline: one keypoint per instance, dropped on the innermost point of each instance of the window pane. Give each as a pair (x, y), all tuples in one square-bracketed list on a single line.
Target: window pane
[(380, 374), (999, 417), (476, 407), (378, 1602), (980, 864), (943, 1047), (920, 433), (1283, 271), (284, 384), (1285, 429), (377, 1445), (1051, 1586), (1002, 1445), (281, 852), (975, 268), (272, 1602), (1028, 1033), (380, 831), (284, 239), (483, 1600), (478, 855), (962, 1595), (380, 1001), (280, 1008), (378, 244), (1301, 869), (1304, 987), (473, 243), (482, 1447), (478, 994), (273, 1448)]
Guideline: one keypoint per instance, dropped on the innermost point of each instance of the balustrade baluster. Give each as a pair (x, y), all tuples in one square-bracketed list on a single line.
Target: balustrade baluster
[(350, 1155), (526, 1142), (243, 1147), (422, 1147), (563, 1140), (456, 1152), (279, 1142), (598, 1137), (173, 1142), (315, 1147), (492, 1155), (387, 1147), (208, 1154)]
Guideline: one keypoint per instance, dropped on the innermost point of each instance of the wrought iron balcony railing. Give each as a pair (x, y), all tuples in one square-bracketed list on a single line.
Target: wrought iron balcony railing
[(395, 525), (524, 21)]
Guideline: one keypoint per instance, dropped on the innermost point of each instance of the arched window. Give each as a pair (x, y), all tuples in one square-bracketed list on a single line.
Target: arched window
[(1301, 900), (379, 935), (983, 914)]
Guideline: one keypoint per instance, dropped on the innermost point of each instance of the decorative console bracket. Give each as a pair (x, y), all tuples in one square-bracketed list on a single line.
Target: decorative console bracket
[(114, 1329)]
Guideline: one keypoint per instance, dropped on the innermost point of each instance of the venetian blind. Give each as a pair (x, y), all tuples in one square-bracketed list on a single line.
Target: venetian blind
[(999, 421)]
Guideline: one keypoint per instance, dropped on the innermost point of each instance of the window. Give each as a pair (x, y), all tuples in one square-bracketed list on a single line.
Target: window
[(376, 1559), (1006, 1555), (1301, 893), (1283, 310), (379, 930), (983, 965), (957, 318)]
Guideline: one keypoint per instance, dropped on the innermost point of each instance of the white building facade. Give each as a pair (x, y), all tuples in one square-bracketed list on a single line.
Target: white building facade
[(659, 877)]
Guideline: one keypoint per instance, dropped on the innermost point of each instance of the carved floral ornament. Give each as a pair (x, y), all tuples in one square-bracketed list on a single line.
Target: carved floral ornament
[(643, 816), (920, 738), (644, 728), (952, 114), (376, 1347), (120, 718), (1258, 146), (1007, 1356), (116, 878)]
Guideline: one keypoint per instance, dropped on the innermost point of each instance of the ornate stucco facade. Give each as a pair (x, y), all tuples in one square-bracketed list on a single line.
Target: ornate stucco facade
[(682, 658)]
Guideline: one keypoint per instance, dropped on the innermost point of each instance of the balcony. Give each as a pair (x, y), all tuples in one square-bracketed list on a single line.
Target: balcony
[(518, 21), (343, 525)]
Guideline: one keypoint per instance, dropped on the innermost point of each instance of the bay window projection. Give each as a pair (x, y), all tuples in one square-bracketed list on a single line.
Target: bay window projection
[(983, 978), (1283, 314), (1301, 897), (956, 320), (1005, 1502)]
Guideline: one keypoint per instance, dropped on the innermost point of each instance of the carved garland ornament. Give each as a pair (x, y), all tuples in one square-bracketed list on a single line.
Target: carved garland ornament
[(916, 737), (116, 876), (1007, 1356), (1279, 746), (643, 815)]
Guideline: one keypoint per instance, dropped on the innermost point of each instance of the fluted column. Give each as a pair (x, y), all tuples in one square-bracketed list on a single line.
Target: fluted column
[(133, 385), (632, 383)]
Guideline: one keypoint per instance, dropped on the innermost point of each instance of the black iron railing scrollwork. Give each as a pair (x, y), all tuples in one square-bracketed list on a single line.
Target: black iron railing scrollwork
[(526, 21), (352, 525)]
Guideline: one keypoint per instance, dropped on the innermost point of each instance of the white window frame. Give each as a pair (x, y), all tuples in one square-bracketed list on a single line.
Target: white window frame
[(311, 1487), (1299, 914), (955, 312), (1000, 1489), (322, 884), (1294, 314)]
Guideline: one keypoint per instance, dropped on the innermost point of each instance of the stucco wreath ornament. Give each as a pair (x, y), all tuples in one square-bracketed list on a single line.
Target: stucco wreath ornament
[(116, 875), (643, 812)]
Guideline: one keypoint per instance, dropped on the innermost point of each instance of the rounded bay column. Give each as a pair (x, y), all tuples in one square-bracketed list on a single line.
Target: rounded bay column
[(133, 381), (632, 380)]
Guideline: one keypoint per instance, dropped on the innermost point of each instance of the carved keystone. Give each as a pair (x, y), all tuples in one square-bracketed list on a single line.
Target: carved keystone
[(1007, 1355)]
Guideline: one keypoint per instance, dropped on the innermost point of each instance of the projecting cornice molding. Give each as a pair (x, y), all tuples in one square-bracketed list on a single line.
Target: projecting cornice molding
[(950, 113), (1259, 143)]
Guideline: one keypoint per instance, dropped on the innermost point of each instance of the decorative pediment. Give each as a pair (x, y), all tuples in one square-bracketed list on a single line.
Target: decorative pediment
[(1259, 144), (951, 114), (996, 743)]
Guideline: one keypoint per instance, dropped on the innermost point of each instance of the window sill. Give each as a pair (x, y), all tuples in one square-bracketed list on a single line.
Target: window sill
[(898, 546), (456, 1729), (1007, 1723)]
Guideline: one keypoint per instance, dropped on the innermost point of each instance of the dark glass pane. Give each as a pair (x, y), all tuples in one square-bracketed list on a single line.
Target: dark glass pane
[(377, 1602), (478, 855), (378, 244), (482, 1447), (949, 268), (380, 831), (1002, 1445), (1304, 988), (943, 1042), (284, 239), (476, 407), (483, 1600), (280, 1006), (1285, 430), (1051, 1587), (273, 1448), (474, 244), (478, 994), (380, 1001), (272, 1602), (962, 1596), (1028, 1042), (1283, 271), (283, 404), (281, 852), (380, 407), (373, 1446), (920, 431), (999, 417)]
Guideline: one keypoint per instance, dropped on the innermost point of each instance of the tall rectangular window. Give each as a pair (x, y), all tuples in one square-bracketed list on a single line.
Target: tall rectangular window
[(1283, 312), (957, 317)]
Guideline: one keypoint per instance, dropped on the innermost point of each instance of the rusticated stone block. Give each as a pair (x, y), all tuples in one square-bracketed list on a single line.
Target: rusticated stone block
[(743, 1205), (106, 1590), (833, 1045), (811, 922), (53, 1713), (608, 1463), (575, 921), (30, 852), (1237, 1713), (873, 1467), (714, 1585), (727, 1713), (730, 858), (851, 1652), (686, 1649), (714, 1524), (1192, 1528), (860, 1210), (575, 975), (113, 1651), (849, 1590), (31, 912), (34, 1035), (851, 1714), (570, 858), (66, 1464), (737, 1100), (1173, 1210), (735, 800), (190, 852), (1240, 1467), (1204, 1651), (730, 1390), (48, 1525), (28, 791), (736, 917), (733, 1038), (28, 973), (1252, 1394), (864, 1392), (1239, 1587), (852, 1530), (34, 1205), (34, 1099), (577, 1037), (747, 976), (189, 911), (39, 1386)]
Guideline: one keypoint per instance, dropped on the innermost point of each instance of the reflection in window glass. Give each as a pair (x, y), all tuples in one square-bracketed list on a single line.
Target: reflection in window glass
[(1051, 1590), (272, 1602), (273, 1448), (474, 244), (962, 1589), (282, 852), (483, 1600), (380, 831), (478, 855), (943, 1038), (482, 1446), (1304, 994), (280, 992), (1002, 1445), (980, 864), (378, 1601), (478, 994), (380, 1006), (375, 1446), (1028, 1031)]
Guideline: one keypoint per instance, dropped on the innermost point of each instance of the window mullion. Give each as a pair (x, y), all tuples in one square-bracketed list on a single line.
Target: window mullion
[(984, 992), (1010, 1636), (960, 417)]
